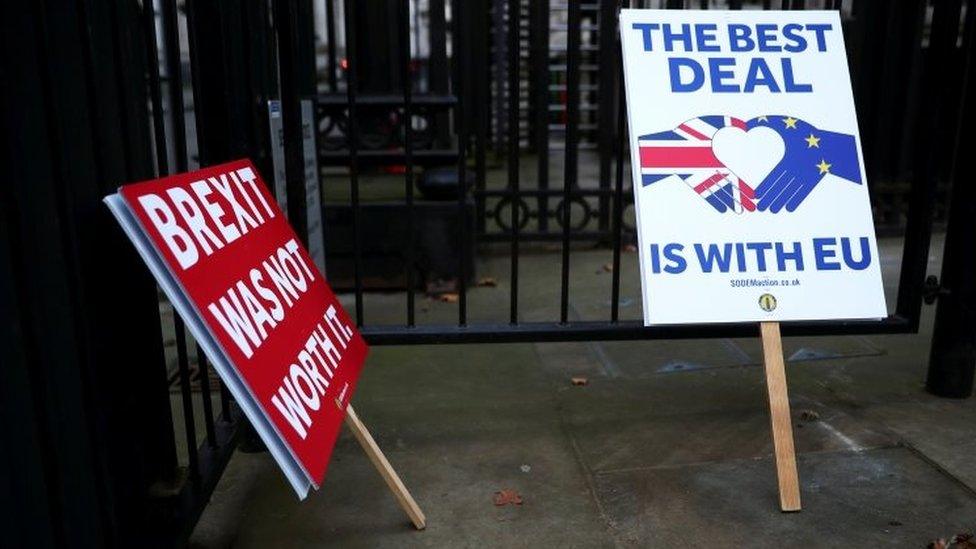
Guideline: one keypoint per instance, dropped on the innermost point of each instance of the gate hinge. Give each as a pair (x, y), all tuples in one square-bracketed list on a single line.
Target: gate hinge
[(932, 289)]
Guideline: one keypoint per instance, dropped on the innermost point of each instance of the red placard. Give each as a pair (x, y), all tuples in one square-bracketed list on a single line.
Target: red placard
[(257, 291)]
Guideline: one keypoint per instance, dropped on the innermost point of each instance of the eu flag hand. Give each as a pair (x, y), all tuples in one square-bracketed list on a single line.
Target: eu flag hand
[(810, 155)]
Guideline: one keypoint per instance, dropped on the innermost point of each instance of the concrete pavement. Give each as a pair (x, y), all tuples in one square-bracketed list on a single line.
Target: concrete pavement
[(668, 444)]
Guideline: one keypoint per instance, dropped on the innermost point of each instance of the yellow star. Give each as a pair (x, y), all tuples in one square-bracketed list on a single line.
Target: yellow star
[(763, 119), (823, 166), (790, 122), (812, 141)]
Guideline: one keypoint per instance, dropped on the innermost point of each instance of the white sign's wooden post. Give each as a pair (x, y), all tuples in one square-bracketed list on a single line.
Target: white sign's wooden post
[(779, 415), (750, 192)]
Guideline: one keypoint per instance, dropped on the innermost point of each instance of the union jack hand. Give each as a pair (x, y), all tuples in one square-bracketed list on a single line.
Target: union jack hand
[(811, 154), (686, 152)]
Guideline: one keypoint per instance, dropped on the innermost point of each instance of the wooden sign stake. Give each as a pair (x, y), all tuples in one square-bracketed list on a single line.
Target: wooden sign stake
[(386, 471), (779, 413)]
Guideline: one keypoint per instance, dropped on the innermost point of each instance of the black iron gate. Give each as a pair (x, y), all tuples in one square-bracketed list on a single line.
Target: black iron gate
[(435, 93)]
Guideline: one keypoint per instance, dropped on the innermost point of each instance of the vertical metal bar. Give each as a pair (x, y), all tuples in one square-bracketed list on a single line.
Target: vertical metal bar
[(953, 355), (174, 72), (918, 227), (224, 402), (540, 74), (352, 135), (606, 98), (199, 109), (287, 22), (408, 153), (331, 45), (171, 42), (482, 65), (187, 398), (208, 417), (618, 192), (458, 55), (162, 163), (438, 68), (500, 46), (155, 95), (572, 144), (210, 148), (514, 56)]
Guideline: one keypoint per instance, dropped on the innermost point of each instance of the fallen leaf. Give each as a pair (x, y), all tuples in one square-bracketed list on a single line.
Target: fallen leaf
[(938, 544), (809, 415), (965, 541), (630, 248), (449, 297), (487, 282), (505, 497), (608, 267), (579, 380)]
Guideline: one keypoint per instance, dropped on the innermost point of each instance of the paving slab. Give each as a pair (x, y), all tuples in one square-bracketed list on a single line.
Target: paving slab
[(940, 430), (456, 440), (885, 497)]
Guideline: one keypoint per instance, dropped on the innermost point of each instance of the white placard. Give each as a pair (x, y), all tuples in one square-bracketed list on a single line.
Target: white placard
[(313, 197), (277, 130), (751, 198)]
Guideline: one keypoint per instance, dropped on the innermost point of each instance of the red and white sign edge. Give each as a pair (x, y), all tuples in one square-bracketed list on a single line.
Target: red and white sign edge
[(296, 474)]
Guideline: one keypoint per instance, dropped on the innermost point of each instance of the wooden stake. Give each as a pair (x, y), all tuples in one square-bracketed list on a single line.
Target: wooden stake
[(779, 413), (390, 476)]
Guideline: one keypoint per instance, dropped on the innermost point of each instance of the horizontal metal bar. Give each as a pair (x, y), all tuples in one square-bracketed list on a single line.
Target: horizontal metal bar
[(576, 193), (592, 67), (583, 7), (391, 100), (581, 126), (584, 47), (505, 236), (533, 332), (583, 87), (367, 157), (583, 107), (564, 28)]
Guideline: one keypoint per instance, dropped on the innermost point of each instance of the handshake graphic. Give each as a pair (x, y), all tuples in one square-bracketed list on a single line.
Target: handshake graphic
[(767, 163)]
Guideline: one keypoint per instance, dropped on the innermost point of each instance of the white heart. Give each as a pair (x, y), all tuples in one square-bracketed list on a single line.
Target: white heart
[(750, 155)]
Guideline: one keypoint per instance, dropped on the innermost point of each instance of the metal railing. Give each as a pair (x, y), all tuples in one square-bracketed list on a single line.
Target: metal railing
[(511, 207), (100, 101)]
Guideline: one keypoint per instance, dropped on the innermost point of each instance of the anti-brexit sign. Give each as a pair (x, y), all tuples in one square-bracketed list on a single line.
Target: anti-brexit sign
[(236, 272), (749, 183)]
